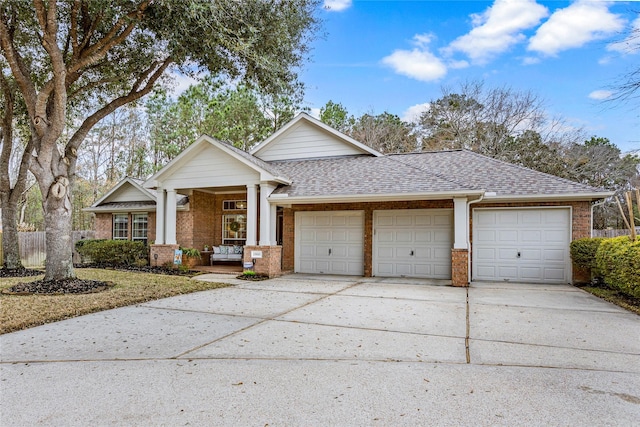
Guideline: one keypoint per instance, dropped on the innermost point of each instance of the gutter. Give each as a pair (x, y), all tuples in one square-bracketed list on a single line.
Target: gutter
[(469, 233)]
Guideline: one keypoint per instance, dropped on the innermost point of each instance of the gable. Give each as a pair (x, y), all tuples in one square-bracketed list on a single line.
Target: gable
[(307, 138), (208, 166), (127, 193)]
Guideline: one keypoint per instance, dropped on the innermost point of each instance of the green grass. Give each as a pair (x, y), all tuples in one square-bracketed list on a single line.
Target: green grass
[(24, 311)]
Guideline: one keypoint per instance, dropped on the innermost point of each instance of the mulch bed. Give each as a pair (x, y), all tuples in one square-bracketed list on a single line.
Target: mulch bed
[(252, 277), (143, 269), (19, 272), (58, 287)]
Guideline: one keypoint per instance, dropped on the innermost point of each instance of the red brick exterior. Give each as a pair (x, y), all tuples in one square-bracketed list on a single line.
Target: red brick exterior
[(459, 267), (165, 254), (270, 263)]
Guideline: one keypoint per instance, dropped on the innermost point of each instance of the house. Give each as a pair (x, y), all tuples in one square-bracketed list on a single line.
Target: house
[(310, 199)]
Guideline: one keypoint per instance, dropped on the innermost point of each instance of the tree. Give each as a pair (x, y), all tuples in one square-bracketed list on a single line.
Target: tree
[(479, 119), (336, 116), (89, 54), (12, 189), (385, 132)]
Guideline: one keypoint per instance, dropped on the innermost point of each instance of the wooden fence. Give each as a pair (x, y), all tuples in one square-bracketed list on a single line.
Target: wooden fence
[(614, 233), (33, 249)]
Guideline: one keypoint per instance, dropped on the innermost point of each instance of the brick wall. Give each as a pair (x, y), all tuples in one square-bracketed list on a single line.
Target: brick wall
[(459, 267), (104, 225), (270, 262)]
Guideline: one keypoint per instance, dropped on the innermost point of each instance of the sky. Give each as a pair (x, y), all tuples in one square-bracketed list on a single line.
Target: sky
[(396, 56)]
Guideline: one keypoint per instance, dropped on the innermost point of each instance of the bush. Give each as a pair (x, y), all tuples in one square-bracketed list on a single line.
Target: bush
[(113, 252), (583, 253), (618, 261)]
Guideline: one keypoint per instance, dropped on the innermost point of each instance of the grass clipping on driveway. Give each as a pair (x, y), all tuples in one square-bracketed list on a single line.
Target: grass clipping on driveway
[(25, 311)]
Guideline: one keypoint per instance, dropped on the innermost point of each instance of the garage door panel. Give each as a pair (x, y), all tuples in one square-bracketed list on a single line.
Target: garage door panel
[(540, 235), (413, 243), (329, 242)]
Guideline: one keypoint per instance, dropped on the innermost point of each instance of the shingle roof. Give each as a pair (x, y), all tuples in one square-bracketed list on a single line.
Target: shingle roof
[(478, 171), (360, 175), (428, 172), (253, 159)]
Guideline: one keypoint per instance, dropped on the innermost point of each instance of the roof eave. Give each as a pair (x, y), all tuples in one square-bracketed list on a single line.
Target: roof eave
[(549, 197), (391, 197)]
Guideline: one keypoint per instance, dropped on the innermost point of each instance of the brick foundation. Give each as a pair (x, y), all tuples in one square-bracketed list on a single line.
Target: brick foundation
[(269, 264), (165, 254), (459, 267)]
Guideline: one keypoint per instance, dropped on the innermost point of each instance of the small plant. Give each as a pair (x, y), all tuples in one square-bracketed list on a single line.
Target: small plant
[(190, 252), (249, 273)]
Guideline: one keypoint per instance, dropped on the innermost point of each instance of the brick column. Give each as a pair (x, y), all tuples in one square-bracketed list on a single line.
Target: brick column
[(165, 254), (459, 267), (270, 262)]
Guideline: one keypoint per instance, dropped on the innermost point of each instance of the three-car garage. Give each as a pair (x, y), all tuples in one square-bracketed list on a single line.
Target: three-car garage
[(508, 244)]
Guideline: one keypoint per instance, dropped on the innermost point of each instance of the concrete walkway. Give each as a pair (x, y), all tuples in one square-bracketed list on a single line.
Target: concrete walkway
[(309, 350)]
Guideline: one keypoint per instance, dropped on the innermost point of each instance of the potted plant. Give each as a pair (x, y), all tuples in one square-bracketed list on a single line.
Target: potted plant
[(190, 257)]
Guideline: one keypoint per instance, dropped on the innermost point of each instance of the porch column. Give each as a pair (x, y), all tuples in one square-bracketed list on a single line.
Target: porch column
[(267, 216), (160, 217), (461, 223), (252, 214), (170, 238)]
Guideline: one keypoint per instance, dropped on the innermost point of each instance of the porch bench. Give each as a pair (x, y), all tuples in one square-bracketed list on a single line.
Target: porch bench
[(227, 253)]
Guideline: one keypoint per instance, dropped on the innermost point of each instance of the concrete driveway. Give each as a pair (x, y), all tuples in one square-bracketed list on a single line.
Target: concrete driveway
[(309, 350)]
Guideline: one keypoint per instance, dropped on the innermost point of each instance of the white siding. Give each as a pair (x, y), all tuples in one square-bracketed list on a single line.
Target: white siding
[(127, 193), (306, 141), (210, 167)]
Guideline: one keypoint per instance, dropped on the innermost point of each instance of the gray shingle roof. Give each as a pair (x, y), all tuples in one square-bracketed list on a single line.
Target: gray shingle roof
[(478, 171), (360, 175), (429, 172)]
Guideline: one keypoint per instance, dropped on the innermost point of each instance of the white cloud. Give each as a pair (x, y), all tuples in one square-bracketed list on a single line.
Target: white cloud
[(337, 5), (575, 26), (600, 94), (631, 44), (529, 60), (498, 28), (413, 113), (418, 63)]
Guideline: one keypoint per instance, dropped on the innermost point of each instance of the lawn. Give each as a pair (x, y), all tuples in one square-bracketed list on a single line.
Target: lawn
[(25, 311)]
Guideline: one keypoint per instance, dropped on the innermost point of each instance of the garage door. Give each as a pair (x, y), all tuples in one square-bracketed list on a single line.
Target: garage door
[(521, 245), (329, 242), (413, 243)]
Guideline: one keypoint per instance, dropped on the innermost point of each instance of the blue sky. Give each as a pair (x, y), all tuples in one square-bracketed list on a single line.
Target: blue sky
[(396, 55)]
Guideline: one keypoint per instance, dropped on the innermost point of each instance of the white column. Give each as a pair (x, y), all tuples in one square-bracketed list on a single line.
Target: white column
[(460, 223), (266, 222), (252, 214), (160, 217), (170, 238)]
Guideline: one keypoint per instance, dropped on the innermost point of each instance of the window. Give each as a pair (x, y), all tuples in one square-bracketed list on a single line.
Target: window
[(139, 229), (234, 205), (120, 226), (234, 229)]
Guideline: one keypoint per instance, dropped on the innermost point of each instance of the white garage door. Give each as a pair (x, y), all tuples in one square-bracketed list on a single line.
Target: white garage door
[(413, 243), (329, 242), (521, 245)]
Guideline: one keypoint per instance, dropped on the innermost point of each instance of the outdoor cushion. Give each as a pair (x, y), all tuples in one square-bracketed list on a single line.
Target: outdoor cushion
[(216, 249)]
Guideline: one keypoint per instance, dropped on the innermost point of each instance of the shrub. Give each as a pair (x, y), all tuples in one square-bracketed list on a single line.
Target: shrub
[(618, 261), (113, 252), (583, 253)]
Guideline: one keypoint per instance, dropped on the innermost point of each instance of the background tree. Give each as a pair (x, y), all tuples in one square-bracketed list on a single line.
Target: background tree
[(337, 116), (385, 132), (111, 56)]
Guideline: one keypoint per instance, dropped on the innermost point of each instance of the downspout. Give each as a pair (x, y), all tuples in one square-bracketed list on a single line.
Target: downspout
[(468, 234), (593, 205)]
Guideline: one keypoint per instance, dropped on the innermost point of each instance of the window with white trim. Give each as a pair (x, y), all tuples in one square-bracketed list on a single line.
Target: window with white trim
[(234, 205), (139, 228), (120, 226), (234, 229)]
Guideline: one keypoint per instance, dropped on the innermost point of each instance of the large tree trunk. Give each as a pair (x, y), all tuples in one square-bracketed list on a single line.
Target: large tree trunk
[(10, 246), (58, 226)]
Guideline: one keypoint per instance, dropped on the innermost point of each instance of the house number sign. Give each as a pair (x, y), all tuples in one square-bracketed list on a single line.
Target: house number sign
[(256, 254)]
